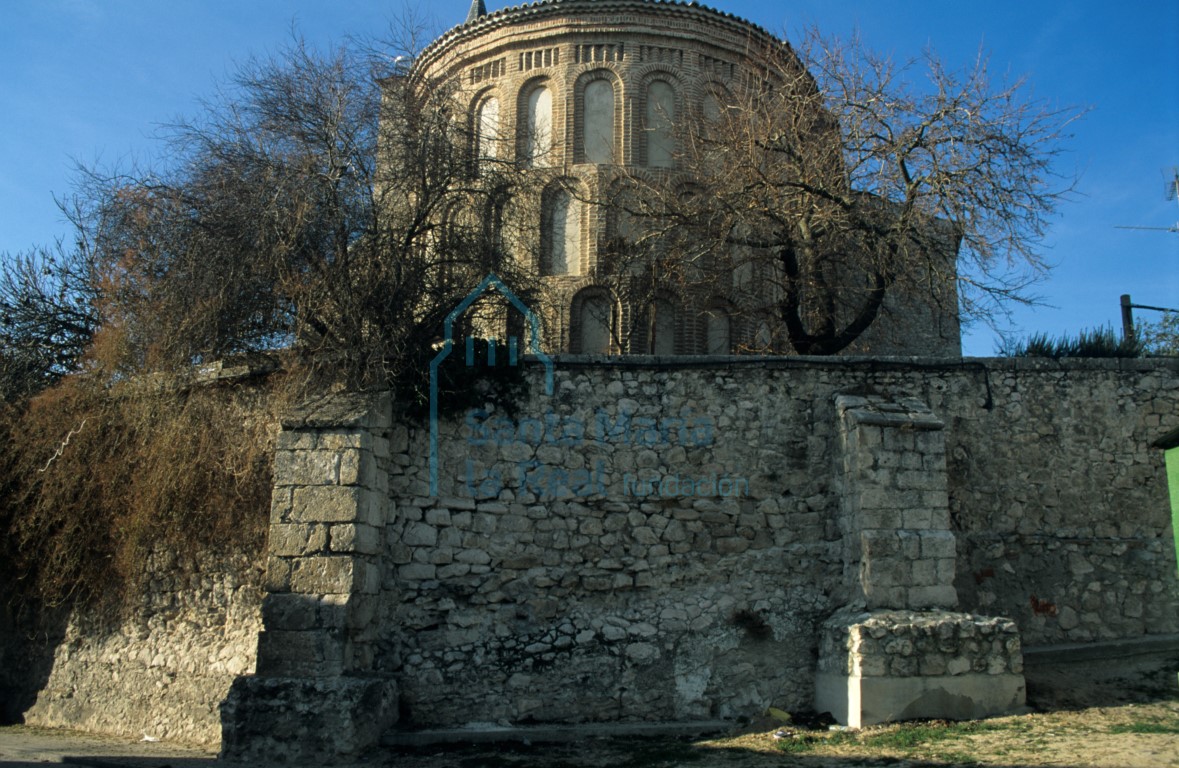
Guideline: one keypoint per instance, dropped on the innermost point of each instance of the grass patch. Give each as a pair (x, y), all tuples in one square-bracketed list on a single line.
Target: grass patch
[(908, 739), (807, 742), (1142, 722), (1145, 727)]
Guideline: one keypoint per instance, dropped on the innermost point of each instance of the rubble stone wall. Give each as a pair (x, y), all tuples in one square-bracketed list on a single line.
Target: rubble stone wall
[(908, 644), (163, 671), (660, 540)]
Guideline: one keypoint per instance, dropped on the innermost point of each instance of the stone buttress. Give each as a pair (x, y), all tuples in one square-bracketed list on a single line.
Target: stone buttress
[(315, 697), (899, 650)]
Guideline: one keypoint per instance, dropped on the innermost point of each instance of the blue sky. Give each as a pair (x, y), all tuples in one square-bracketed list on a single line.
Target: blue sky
[(92, 80)]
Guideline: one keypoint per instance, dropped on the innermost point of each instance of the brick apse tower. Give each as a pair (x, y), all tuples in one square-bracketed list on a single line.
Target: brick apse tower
[(596, 96)]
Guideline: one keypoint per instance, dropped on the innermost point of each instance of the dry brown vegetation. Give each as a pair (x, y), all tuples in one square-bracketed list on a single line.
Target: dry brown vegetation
[(97, 476)]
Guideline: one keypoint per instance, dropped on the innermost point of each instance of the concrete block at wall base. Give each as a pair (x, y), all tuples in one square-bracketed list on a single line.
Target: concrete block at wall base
[(859, 701), (882, 666), (297, 720)]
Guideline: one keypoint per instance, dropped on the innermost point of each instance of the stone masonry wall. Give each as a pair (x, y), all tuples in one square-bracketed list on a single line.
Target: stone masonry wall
[(660, 539), (653, 540), (560, 576), (1059, 500), (163, 671)]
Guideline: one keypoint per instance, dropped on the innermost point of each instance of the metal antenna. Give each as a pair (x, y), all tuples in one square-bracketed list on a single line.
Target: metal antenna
[(1172, 193)]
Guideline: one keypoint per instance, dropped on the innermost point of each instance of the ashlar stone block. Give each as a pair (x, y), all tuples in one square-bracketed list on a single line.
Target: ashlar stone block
[(315, 467), (351, 464), (917, 518), (936, 596), (342, 440), (938, 544), (355, 538), (297, 539), (879, 543), (326, 575), (305, 653), (328, 504), (924, 573), (296, 440), (290, 612), (890, 519), (278, 574)]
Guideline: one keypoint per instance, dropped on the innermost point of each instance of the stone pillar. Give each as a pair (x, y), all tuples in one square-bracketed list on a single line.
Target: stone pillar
[(898, 651), (314, 697), (899, 551)]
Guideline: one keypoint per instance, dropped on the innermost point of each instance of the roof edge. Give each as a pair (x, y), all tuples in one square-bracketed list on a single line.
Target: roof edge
[(547, 8)]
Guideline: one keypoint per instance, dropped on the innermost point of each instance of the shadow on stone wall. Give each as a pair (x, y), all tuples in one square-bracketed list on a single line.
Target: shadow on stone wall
[(1069, 677), (29, 636)]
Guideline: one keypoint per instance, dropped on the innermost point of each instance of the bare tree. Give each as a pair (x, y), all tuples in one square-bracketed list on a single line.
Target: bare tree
[(48, 315), (837, 178), (323, 204)]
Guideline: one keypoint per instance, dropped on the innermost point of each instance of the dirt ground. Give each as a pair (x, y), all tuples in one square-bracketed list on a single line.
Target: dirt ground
[(1122, 714), (27, 747), (1142, 735), (1084, 722)]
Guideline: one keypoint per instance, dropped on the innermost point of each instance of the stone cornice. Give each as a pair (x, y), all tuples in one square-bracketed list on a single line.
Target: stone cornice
[(554, 9)]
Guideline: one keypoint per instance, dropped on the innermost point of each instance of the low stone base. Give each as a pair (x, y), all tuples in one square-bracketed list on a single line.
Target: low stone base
[(860, 701), (305, 720), (900, 665)]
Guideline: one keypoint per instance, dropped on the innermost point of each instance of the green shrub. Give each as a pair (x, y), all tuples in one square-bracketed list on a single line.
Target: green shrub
[(1098, 342)]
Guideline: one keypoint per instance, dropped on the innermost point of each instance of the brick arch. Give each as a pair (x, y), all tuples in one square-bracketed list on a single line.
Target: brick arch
[(586, 323), (617, 123), (562, 210), (526, 141), (663, 324), (479, 97), (616, 193), (644, 80), (718, 326), (475, 126), (713, 87)]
